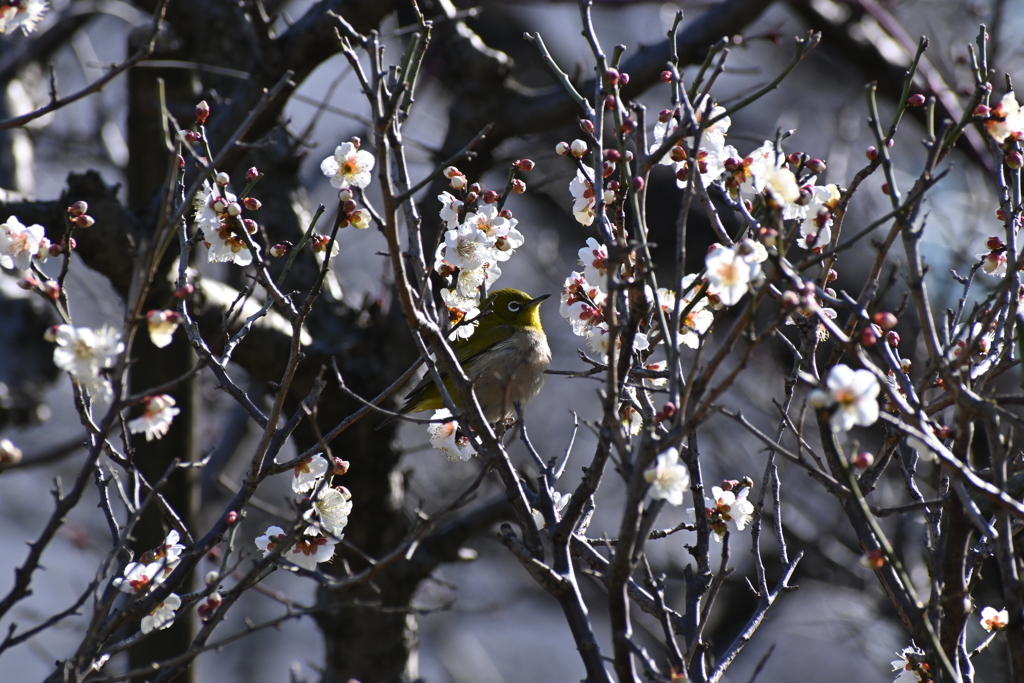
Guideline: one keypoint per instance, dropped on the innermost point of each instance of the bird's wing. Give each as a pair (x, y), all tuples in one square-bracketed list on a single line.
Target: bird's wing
[(464, 353)]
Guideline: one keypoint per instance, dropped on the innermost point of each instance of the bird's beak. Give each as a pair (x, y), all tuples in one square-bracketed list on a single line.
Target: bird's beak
[(537, 301)]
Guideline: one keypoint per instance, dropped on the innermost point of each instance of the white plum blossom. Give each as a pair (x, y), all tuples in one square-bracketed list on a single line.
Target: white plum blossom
[(658, 366), (155, 421), (450, 209), (750, 174), (445, 437), (582, 199), (306, 553), (460, 309), (696, 322), (163, 616), (468, 247), (993, 619), (993, 263), (18, 243), (729, 273), (597, 340), (24, 14), (582, 304), (631, 418), (668, 478), (308, 472), (711, 154), (816, 226), (349, 166), (854, 394), (725, 507), (594, 259), (469, 282), (911, 666), (161, 326), (780, 186), (331, 510), (139, 577), (502, 236), (1007, 120), (84, 353)]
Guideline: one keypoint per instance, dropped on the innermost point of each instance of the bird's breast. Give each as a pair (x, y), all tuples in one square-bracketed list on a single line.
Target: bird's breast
[(510, 372)]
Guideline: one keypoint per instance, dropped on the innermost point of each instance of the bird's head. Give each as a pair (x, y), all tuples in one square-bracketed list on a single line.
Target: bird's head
[(513, 307)]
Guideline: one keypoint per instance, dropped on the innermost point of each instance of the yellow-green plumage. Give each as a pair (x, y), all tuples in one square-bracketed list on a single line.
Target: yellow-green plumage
[(505, 357)]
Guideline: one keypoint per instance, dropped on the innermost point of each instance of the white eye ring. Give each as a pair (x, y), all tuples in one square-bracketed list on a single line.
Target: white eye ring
[(513, 306)]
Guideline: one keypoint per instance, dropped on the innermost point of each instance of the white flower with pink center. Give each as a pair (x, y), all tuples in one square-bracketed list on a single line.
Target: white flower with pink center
[(445, 437), (18, 243), (348, 166), (668, 478), (155, 421), (594, 259), (308, 472), (163, 616), (582, 199), (729, 273)]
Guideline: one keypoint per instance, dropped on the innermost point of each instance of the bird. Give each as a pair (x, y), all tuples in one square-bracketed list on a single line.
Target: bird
[(505, 358)]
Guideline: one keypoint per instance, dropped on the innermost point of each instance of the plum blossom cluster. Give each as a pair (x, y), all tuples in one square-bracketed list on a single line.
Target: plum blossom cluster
[(479, 235), (86, 354), (326, 516), (153, 567), (728, 505), (219, 216)]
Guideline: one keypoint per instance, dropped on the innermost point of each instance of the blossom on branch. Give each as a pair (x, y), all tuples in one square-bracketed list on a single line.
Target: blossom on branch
[(163, 616), (85, 353), (18, 243), (349, 166), (729, 273), (330, 510), (306, 553), (23, 14), (994, 620), (156, 419), (668, 478), (308, 472), (854, 394), (445, 437)]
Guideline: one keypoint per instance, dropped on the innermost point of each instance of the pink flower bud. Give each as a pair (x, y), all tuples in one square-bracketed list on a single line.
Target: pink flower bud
[(28, 282), (1014, 159), (611, 155), (815, 166), (871, 153), (677, 154), (609, 102), (884, 319), (56, 249), (251, 203), (524, 165), (886, 189), (994, 243), (638, 184), (862, 460), (868, 336), (982, 111), (562, 149), (231, 518), (252, 174), (624, 79), (250, 226), (184, 292), (202, 112), (78, 208), (191, 136), (628, 125), (612, 76), (893, 338), (491, 197), (181, 162), (518, 186), (790, 299), (340, 467), (666, 76), (505, 213), (83, 221), (51, 290), (279, 250), (832, 276), (471, 197), (587, 125), (664, 115)]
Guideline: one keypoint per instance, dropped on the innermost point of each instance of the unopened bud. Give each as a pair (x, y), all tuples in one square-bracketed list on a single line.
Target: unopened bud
[(638, 184), (871, 153), (231, 518), (611, 155), (471, 197), (360, 219), (252, 174), (184, 292), (815, 166), (608, 197), (677, 154), (223, 179), (279, 250), (51, 290), (868, 336), (884, 319), (862, 460), (587, 126), (458, 182), (78, 208), (211, 578), (83, 221), (28, 282), (9, 453), (886, 189), (476, 188), (612, 76), (623, 79), (628, 126), (1014, 159), (994, 243), (906, 365), (181, 162), (251, 203), (832, 276), (893, 338), (874, 559), (505, 213), (915, 100), (666, 76), (340, 467), (202, 112), (190, 136), (664, 115), (983, 111), (524, 165), (56, 249), (234, 209), (790, 299), (609, 102), (578, 148), (562, 149), (518, 186), (491, 197)]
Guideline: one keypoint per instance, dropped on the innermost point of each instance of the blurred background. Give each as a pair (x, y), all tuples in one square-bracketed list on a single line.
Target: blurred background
[(483, 619)]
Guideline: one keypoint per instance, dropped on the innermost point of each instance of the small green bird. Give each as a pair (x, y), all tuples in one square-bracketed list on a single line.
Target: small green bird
[(505, 357)]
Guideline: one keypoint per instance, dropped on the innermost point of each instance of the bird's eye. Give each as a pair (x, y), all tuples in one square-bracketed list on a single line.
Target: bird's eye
[(513, 306)]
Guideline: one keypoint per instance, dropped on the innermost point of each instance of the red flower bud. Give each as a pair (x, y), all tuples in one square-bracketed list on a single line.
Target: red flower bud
[(491, 197), (612, 76), (202, 112), (252, 174), (666, 76), (664, 115), (815, 166), (677, 154), (871, 153), (886, 189), (868, 336), (231, 518), (915, 100), (862, 460), (638, 184), (1014, 159), (612, 155), (587, 125), (83, 221), (893, 338), (524, 165), (51, 290), (78, 208), (623, 78), (184, 292), (518, 186), (476, 188)]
